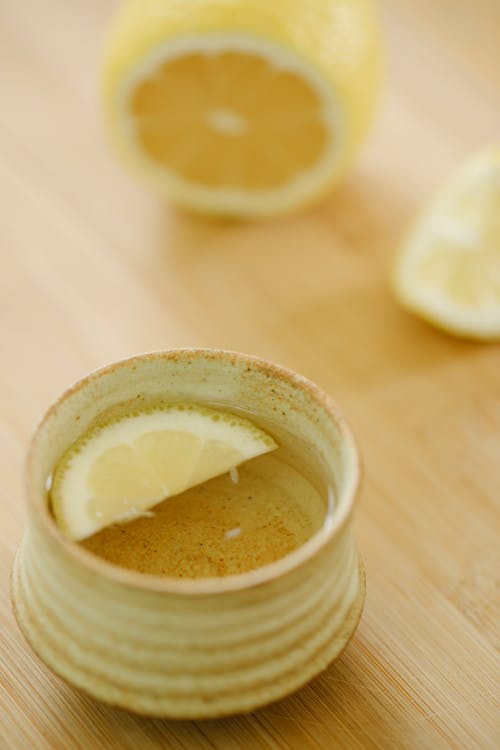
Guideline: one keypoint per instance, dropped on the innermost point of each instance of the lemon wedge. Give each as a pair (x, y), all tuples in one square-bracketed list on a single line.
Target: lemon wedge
[(245, 108), (448, 270), (122, 468)]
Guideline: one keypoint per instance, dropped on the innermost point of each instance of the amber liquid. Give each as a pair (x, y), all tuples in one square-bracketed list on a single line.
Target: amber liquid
[(228, 525)]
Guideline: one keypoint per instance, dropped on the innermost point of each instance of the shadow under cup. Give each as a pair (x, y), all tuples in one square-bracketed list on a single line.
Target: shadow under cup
[(200, 647)]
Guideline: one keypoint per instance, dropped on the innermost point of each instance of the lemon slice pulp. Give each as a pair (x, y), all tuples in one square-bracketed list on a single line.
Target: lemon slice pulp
[(251, 110), (124, 467), (448, 270)]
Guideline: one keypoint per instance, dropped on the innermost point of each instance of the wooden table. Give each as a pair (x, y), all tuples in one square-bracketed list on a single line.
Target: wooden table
[(94, 268)]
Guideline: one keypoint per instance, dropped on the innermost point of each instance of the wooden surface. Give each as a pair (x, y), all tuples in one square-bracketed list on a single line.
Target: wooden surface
[(94, 268)]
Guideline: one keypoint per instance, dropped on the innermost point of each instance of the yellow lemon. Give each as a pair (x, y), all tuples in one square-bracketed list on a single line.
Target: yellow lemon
[(448, 270), (241, 107), (125, 466)]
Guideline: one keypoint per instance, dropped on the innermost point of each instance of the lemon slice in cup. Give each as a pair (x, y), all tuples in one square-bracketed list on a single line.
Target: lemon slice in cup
[(246, 108), (124, 467), (448, 270)]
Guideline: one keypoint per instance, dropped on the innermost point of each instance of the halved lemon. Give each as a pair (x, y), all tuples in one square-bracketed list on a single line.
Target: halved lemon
[(123, 467), (246, 107), (448, 270)]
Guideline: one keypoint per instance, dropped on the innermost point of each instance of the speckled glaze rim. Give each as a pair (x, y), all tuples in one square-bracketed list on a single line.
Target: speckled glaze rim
[(214, 585)]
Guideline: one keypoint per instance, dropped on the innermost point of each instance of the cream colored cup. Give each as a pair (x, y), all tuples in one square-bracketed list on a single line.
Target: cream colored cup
[(191, 648)]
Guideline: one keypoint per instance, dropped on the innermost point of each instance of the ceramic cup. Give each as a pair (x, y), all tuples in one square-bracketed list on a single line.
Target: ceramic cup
[(191, 648)]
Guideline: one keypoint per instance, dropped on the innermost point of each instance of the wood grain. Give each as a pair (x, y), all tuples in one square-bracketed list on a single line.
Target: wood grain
[(94, 268)]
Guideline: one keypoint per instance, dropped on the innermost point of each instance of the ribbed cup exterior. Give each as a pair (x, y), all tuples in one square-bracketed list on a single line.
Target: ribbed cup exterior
[(187, 649)]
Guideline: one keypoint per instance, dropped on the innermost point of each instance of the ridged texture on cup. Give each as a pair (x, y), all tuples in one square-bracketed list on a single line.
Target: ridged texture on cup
[(188, 649), (168, 655)]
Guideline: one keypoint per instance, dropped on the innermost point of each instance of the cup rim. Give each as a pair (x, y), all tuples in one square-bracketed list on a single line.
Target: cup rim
[(209, 585)]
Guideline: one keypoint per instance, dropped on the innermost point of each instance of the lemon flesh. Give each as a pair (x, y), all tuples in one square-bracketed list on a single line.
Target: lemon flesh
[(448, 270), (212, 132), (247, 109), (123, 468)]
